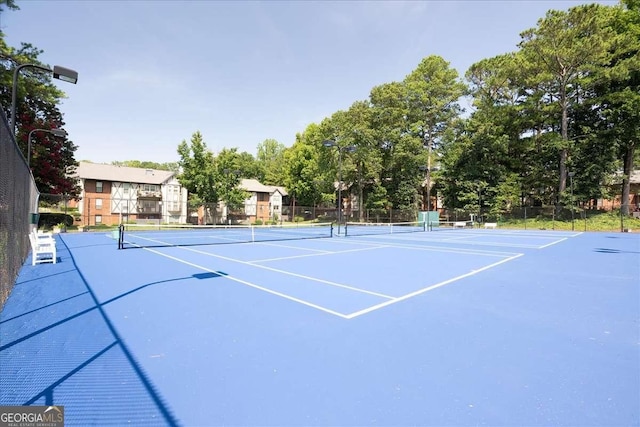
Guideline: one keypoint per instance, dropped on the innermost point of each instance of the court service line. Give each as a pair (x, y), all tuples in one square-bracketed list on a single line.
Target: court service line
[(533, 234), (463, 251), (429, 288), (353, 240), (290, 273), (253, 285), (292, 247), (506, 233), (457, 242), (500, 244), (466, 236), (553, 243), (321, 254)]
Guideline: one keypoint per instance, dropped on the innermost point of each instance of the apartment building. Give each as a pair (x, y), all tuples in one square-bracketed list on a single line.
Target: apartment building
[(265, 201), (114, 194)]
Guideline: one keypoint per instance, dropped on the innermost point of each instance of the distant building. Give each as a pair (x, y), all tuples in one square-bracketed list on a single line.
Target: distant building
[(264, 204), (634, 195), (114, 194)]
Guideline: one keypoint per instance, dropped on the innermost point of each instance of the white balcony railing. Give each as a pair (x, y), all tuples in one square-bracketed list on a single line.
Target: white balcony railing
[(149, 194)]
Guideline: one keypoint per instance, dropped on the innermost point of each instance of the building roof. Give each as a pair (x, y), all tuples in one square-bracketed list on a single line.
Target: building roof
[(634, 177), (275, 188), (255, 186), (113, 173)]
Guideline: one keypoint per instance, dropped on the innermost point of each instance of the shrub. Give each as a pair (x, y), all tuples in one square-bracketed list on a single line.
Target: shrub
[(51, 219)]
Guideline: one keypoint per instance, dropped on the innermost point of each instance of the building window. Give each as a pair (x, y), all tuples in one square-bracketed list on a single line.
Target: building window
[(98, 219), (150, 206), (98, 203), (98, 186)]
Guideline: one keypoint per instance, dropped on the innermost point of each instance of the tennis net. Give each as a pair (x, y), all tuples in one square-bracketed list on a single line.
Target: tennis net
[(147, 235), (369, 228)]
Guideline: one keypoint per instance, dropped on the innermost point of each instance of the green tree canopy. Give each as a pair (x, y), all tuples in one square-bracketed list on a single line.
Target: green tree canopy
[(197, 172)]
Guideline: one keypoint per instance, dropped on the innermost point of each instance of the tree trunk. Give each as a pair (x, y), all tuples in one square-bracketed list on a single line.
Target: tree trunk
[(564, 151)]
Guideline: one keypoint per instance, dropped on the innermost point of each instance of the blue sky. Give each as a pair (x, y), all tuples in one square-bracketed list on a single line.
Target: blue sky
[(151, 73)]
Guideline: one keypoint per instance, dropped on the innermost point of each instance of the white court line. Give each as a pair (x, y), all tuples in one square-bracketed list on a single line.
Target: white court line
[(427, 289), (314, 279), (534, 234), (391, 300), (553, 243), (531, 236), (460, 242), (291, 247), (253, 285), (289, 273), (378, 245), (444, 249), (321, 254), (521, 236), (354, 241), (467, 236)]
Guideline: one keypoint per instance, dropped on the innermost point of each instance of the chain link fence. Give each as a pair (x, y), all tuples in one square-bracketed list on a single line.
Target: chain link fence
[(550, 218), (18, 209), (330, 214), (540, 217), (99, 213)]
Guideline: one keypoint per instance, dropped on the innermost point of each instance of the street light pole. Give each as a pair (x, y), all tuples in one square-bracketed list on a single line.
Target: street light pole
[(427, 203), (349, 148), (428, 170), (428, 190), (571, 174), (61, 73), (55, 132)]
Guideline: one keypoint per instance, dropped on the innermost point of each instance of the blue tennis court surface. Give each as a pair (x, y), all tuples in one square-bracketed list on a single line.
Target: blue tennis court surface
[(458, 327)]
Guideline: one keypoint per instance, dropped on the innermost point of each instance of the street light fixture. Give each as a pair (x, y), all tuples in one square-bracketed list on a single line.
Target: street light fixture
[(571, 175), (60, 133), (350, 149), (60, 73)]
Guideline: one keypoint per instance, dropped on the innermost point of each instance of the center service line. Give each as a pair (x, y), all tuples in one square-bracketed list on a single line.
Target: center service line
[(327, 282), (253, 285)]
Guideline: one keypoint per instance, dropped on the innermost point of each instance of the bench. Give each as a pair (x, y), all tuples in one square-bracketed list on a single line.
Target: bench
[(490, 224), (460, 224), (43, 247)]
